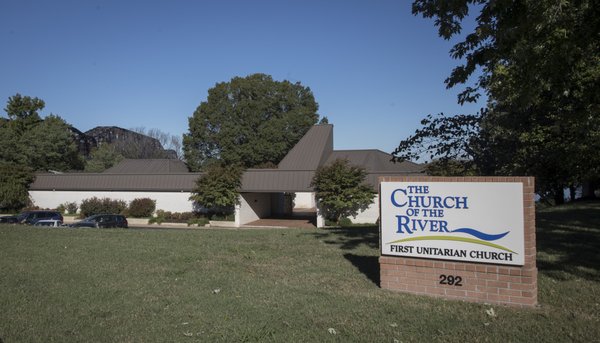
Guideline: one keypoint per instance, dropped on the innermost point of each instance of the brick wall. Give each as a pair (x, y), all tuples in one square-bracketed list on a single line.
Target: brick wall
[(489, 283)]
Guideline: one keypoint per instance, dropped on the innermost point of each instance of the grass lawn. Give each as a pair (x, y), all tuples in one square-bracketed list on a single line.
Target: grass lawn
[(98, 285)]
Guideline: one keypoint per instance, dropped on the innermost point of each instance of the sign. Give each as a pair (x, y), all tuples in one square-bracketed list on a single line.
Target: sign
[(460, 221)]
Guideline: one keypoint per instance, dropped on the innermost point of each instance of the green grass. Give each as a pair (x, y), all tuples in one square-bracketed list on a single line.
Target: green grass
[(65, 285)]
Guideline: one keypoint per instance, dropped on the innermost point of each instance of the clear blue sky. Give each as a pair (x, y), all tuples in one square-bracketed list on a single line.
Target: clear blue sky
[(374, 69)]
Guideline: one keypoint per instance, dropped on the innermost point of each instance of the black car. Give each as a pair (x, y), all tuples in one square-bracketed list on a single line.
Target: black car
[(9, 220), (102, 220), (31, 217)]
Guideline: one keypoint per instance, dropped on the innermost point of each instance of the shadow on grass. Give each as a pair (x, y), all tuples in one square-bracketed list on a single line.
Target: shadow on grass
[(568, 238), (368, 265), (351, 238)]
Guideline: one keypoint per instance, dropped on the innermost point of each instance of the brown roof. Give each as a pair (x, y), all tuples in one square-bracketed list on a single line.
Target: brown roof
[(116, 182), (374, 160), (311, 151), (148, 166), (276, 180), (294, 173)]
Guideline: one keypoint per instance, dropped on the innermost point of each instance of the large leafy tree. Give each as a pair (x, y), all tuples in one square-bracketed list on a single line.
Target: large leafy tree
[(50, 145), (249, 121), (14, 183), (39, 144), (538, 62), (102, 158), (29, 143), (218, 189), (23, 111), (341, 190)]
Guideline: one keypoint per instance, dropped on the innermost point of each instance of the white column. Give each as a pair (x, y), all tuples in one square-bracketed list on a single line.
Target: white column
[(320, 218), (237, 211)]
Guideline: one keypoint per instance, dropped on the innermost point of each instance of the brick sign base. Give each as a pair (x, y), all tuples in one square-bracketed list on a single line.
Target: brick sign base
[(478, 282)]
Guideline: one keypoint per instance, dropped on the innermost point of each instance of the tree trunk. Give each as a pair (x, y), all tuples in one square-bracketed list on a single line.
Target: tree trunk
[(572, 191), (559, 196)]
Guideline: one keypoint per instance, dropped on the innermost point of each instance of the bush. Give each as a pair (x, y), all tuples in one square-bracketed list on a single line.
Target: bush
[(71, 207), (68, 208), (341, 190), (200, 221), (95, 205), (225, 217), (142, 207), (345, 222), (173, 217), (156, 220), (178, 217)]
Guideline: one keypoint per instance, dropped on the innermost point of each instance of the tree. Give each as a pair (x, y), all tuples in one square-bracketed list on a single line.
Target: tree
[(449, 142), (218, 189), (49, 145), (28, 144), (39, 144), (23, 111), (168, 141), (249, 121), (10, 144), (538, 65), (102, 158), (14, 183), (341, 191)]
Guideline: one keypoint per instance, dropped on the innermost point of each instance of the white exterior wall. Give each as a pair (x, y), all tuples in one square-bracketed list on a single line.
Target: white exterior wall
[(304, 200), (167, 201), (370, 215), (253, 206)]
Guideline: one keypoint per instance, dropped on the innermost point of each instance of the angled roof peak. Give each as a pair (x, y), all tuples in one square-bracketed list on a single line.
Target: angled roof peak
[(311, 151)]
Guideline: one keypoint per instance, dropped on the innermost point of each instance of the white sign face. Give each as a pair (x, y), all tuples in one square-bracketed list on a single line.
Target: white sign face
[(462, 221)]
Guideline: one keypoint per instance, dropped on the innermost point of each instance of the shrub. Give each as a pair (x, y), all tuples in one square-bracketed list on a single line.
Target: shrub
[(341, 190), (200, 221), (157, 220), (225, 217), (95, 205), (71, 207), (329, 222), (345, 222), (177, 217), (68, 208), (142, 207)]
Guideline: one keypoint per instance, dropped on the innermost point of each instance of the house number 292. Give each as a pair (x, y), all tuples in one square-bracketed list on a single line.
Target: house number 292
[(450, 280)]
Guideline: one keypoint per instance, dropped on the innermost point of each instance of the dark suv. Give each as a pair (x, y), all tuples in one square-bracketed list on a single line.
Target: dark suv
[(102, 220), (8, 219), (31, 217)]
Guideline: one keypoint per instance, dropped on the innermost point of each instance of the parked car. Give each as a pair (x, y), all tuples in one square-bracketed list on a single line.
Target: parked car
[(102, 220), (48, 222), (31, 217), (8, 220)]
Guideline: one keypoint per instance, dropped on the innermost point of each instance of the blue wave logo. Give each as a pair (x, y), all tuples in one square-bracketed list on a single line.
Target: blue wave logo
[(481, 235), (482, 238)]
